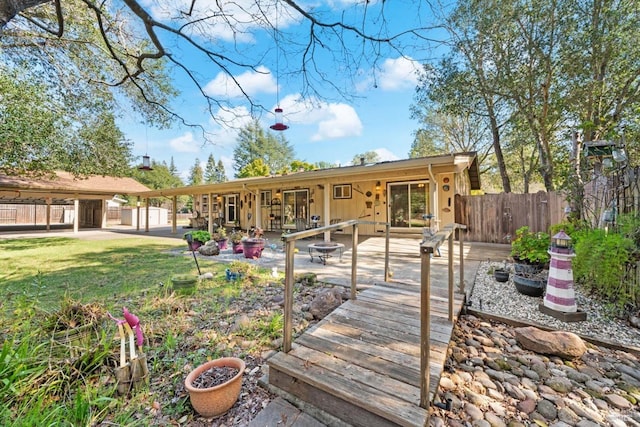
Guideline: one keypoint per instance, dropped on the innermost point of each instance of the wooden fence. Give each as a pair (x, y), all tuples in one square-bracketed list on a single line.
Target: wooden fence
[(18, 214), (494, 218)]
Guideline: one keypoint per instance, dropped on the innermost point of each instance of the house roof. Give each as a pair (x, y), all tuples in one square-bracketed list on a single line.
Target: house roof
[(64, 187), (415, 168)]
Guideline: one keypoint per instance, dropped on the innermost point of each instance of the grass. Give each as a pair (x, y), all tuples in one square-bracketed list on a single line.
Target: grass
[(48, 282)]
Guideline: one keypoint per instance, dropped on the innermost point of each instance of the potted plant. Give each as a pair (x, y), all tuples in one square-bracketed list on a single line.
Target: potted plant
[(529, 248), (252, 247), (220, 236), (236, 238), (530, 253), (198, 237), (215, 386), (237, 270)]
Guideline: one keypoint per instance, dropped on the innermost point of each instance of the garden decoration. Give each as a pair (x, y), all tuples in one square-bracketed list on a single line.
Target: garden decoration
[(189, 239), (560, 298), (135, 371)]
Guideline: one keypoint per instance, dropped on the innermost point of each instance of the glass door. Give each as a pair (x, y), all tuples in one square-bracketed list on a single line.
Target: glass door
[(231, 208), (408, 202), (295, 204)]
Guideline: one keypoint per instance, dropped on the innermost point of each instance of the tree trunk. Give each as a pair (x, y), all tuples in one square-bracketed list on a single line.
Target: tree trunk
[(9, 9)]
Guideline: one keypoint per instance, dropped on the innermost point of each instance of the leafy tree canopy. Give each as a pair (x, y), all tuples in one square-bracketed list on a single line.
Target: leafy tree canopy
[(38, 137), (367, 157)]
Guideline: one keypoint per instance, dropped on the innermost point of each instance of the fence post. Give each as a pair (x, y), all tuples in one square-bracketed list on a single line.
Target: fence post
[(450, 250), (354, 260), (288, 295), (461, 238), (425, 323)]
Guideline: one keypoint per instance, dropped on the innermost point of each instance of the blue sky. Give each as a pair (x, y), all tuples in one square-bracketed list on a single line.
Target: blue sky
[(374, 117)]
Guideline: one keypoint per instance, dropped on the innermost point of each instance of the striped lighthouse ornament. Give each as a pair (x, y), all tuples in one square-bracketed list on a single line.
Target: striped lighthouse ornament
[(560, 295)]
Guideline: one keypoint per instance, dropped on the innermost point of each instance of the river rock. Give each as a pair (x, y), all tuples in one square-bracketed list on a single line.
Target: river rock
[(325, 302), (558, 343)]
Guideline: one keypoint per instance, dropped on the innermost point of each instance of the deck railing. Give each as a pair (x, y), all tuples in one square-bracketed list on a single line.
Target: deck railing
[(290, 244), (427, 249)]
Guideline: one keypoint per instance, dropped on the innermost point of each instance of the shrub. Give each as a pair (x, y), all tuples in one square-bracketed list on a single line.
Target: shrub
[(530, 247), (600, 265)]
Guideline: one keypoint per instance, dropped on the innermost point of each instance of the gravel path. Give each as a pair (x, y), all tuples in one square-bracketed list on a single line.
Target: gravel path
[(491, 296)]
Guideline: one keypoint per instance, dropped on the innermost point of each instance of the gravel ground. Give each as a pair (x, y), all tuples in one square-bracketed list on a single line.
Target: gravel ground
[(491, 296)]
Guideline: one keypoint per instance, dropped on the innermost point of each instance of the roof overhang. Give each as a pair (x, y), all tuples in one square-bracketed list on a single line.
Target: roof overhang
[(63, 188), (399, 169)]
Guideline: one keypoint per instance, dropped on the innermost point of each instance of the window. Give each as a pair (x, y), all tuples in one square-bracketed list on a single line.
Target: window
[(342, 191), (265, 198)]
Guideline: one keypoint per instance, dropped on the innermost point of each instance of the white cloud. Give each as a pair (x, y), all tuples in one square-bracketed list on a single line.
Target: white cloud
[(333, 120), (252, 82), (185, 143), (394, 75), (341, 121)]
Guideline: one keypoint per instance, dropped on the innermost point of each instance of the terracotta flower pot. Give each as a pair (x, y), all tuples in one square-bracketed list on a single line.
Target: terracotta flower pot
[(215, 401)]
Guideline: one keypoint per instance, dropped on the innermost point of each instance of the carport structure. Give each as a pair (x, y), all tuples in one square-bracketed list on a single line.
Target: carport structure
[(87, 195)]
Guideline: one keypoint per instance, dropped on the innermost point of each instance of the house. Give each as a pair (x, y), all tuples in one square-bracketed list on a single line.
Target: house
[(399, 192), (29, 201)]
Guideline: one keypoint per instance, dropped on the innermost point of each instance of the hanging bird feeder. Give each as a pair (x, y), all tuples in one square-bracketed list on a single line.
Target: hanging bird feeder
[(146, 164), (279, 126)]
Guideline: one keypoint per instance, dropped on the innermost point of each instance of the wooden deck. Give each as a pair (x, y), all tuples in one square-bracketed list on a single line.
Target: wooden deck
[(361, 363)]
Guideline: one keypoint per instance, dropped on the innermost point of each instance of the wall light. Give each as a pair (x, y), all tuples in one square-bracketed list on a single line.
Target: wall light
[(378, 186)]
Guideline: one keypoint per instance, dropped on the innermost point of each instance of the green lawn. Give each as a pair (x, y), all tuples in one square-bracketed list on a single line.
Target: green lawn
[(43, 280)]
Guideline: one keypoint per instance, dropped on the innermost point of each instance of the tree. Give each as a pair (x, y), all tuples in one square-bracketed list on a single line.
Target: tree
[(36, 137), (172, 168), (128, 45), (255, 168), (210, 170), (253, 143), (367, 157), (196, 174), (220, 173), (158, 178)]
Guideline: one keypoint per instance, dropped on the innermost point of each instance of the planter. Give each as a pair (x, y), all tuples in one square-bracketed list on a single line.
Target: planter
[(184, 285), (193, 246), (252, 248), (531, 286), (222, 244), (501, 275), (237, 247), (215, 401), (523, 269)]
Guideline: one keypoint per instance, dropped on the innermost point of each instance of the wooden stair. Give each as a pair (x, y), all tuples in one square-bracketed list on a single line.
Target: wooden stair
[(361, 363)]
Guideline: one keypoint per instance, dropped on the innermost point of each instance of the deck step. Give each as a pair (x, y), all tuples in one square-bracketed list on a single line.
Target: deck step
[(349, 392)]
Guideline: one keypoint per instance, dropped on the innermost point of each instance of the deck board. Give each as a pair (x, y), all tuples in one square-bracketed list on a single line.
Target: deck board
[(366, 354)]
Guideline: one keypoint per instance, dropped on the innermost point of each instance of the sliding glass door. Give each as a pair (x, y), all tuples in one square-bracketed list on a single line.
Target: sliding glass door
[(295, 204), (408, 202)]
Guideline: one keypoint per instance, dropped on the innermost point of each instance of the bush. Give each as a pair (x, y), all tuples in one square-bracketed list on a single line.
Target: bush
[(600, 265)]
